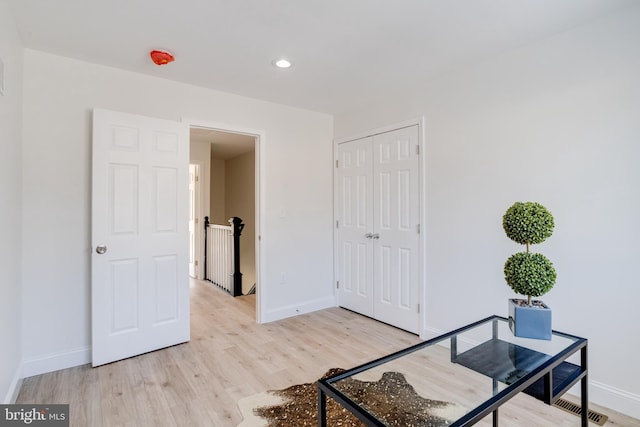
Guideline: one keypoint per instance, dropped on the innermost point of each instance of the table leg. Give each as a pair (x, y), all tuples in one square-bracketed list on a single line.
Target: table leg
[(322, 409), (584, 392), (495, 418), (454, 349)]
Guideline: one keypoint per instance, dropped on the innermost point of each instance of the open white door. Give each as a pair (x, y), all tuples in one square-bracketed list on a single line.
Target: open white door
[(140, 241)]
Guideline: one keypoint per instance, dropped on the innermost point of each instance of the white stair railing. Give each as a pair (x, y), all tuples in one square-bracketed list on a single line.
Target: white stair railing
[(222, 254), (219, 262)]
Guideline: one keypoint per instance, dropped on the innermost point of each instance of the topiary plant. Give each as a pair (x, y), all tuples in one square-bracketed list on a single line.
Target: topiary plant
[(528, 223), (529, 274)]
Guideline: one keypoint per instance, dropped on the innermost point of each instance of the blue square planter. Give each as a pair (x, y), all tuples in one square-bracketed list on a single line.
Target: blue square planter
[(530, 322)]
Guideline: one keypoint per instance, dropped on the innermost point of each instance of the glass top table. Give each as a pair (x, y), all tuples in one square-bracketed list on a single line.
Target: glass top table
[(458, 378)]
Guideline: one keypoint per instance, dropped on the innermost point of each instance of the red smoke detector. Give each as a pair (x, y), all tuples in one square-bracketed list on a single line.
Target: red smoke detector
[(160, 57)]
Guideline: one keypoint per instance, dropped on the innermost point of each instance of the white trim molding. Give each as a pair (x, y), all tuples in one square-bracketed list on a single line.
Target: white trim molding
[(296, 309), (420, 121), (14, 388), (56, 361), (614, 398)]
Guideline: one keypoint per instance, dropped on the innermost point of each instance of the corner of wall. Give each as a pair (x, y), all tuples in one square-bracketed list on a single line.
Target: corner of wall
[(11, 282), (14, 387)]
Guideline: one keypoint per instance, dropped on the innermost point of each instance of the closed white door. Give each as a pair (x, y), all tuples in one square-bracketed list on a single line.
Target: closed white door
[(355, 226), (139, 277), (378, 240), (396, 199)]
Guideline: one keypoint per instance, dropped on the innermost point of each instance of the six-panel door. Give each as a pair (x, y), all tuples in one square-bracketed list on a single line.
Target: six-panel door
[(140, 288), (378, 242)]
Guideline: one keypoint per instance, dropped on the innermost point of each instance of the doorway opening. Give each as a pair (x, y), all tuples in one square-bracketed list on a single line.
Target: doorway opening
[(228, 164)]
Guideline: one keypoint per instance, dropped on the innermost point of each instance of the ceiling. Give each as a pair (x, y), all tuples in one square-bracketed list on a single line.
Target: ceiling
[(224, 145), (346, 53)]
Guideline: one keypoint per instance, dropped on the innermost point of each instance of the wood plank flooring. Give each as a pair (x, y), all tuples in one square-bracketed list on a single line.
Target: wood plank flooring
[(230, 357)]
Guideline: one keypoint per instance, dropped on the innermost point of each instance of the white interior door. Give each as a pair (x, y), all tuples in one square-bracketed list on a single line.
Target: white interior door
[(139, 277), (396, 261), (355, 226), (378, 240)]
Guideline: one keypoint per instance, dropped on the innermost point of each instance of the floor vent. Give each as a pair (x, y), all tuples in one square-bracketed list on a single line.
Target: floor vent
[(594, 417)]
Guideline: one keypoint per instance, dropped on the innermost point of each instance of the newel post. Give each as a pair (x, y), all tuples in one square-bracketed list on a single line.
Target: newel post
[(206, 231), (238, 226)]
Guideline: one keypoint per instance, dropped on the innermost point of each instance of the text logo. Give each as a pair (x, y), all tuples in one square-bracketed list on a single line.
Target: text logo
[(34, 415)]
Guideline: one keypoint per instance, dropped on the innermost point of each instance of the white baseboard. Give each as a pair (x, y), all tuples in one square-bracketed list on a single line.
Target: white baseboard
[(427, 333), (296, 309), (614, 398), (56, 361), (14, 388)]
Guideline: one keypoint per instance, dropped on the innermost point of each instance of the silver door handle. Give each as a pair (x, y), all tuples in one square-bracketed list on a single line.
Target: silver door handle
[(101, 249), (369, 235), (375, 236)]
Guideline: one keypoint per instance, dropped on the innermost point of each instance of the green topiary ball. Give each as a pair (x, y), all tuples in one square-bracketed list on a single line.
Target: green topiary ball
[(529, 274), (527, 222)]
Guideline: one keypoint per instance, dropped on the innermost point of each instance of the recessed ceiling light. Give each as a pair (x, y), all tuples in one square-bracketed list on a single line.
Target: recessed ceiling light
[(282, 63)]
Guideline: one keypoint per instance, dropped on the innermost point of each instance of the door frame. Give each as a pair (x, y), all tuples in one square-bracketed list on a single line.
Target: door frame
[(260, 140), (422, 166), (198, 251)]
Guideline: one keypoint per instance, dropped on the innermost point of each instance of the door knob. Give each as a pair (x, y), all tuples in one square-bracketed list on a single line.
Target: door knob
[(101, 249), (375, 236), (368, 235)]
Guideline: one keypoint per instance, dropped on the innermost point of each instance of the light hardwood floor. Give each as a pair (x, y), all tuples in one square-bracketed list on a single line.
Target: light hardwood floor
[(230, 357)]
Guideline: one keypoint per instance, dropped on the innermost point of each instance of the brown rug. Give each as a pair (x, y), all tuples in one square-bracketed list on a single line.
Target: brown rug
[(296, 406)]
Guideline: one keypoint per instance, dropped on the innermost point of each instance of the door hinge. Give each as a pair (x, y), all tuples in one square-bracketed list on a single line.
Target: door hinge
[(195, 263), (336, 164), (418, 228), (337, 224), (418, 150), (337, 284), (197, 178), (196, 220), (418, 308)]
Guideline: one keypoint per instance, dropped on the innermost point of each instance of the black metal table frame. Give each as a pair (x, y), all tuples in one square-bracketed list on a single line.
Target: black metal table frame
[(545, 371)]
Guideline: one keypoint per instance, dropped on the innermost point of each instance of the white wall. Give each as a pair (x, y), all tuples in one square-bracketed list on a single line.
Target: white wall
[(217, 187), (59, 95), (240, 201), (200, 154), (556, 122), (10, 208)]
